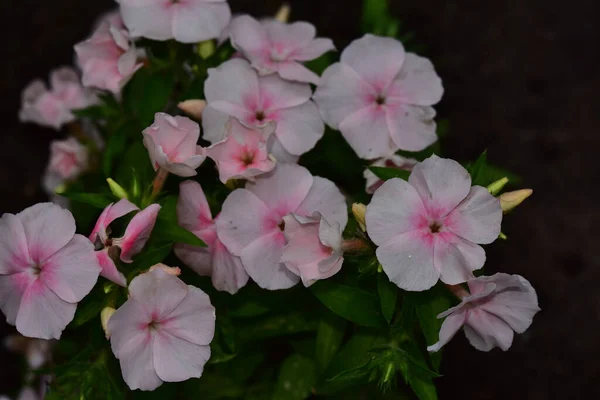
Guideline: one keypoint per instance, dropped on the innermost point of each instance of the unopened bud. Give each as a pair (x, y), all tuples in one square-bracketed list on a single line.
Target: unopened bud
[(359, 210), (497, 186), (193, 108), (105, 315), (117, 189), (206, 49), (502, 236), (283, 14), (510, 200), (175, 271)]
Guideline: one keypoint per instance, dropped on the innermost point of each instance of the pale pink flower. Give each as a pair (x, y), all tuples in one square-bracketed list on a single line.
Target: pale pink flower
[(380, 97), (162, 332), (276, 47), (428, 228), (390, 161), (193, 213), (108, 58), (314, 249), (235, 89), (243, 153), (45, 270), (251, 224), (131, 243), (187, 21), (172, 144), (68, 158), (497, 306), (53, 108)]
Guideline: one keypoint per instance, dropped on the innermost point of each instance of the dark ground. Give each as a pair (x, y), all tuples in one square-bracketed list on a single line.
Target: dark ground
[(521, 79)]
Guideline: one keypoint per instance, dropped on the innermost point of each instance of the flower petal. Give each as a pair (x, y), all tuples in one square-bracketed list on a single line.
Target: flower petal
[(418, 83), (412, 128), (325, 198), (193, 319), (248, 35), (149, 20), (193, 211), (277, 94), (177, 360), (315, 49), (367, 132), (200, 20), (138, 232), (228, 272), (299, 128), (158, 292), (294, 71), (233, 82), (456, 258), (486, 331), (12, 288), (14, 253), (109, 214), (478, 217), (450, 327), (109, 269)]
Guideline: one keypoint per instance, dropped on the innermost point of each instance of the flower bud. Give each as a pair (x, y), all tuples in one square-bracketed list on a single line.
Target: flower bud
[(175, 271), (510, 200), (105, 315), (495, 187), (193, 108), (206, 49), (359, 210), (283, 14), (117, 189)]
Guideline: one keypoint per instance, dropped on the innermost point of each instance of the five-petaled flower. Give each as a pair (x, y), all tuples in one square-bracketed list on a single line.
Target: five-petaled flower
[(68, 158), (428, 228), (380, 97), (162, 332)]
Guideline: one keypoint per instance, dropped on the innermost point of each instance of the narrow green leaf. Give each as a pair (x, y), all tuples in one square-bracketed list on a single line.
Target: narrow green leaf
[(388, 296), (278, 325), (384, 173), (115, 147), (93, 199), (354, 304), (297, 378), (330, 334), (170, 230), (483, 173), (429, 306)]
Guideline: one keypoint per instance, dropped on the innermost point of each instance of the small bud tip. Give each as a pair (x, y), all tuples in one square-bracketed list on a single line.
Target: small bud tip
[(359, 210), (510, 200), (283, 14), (193, 108)]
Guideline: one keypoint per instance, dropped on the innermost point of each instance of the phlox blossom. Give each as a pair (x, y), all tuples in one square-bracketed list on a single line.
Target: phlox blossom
[(68, 158)]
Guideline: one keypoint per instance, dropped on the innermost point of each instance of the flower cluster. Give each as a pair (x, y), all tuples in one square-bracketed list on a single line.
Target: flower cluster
[(263, 204)]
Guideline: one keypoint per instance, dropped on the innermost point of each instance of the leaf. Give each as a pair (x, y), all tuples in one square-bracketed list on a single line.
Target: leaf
[(378, 20), (168, 228), (92, 112), (278, 325), (115, 147), (428, 308), (388, 296), (296, 378), (214, 386), (147, 93), (484, 174), (384, 173), (354, 304), (330, 334), (86, 311), (93, 199)]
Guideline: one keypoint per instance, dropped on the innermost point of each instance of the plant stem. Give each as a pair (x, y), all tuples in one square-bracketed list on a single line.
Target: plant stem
[(458, 291), (159, 182), (355, 245)]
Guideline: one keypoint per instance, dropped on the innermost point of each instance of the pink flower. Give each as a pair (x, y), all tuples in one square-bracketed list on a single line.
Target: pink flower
[(53, 107), (380, 97), (243, 153), (498, 306), (172, 144), (131, 243), (235, 89), (107, 58), (68, 158), (275, 47), (187, 21), (193, 213), (427, 228), (314, 249), (251, 224), (390, 161), (45, 270), (162, 333)]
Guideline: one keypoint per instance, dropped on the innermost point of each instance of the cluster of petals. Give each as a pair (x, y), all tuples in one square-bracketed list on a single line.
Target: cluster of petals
[(53, 107), (134, 239), (45, 270), (108, 59), (162, 332), (193, 213), (275, 47), (172, 144), (243, 153), (234, 89), (314, 249), (252, 225), (68, 158), (186, 21), (390, 161), (496, 308), (430, 227), (380, 97)]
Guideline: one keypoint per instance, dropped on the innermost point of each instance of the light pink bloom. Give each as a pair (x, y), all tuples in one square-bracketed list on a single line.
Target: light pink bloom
[(497, 306), (107, 58), (380, 97), (243, 153), (427, 228), (68, 158), (235, 89), (187, 21), (193, 213), (314, 249), (172, 144), (251, 224), (390, 161), (275, 47), (45, 270), (53, 107), (131, 243), (162, 333)]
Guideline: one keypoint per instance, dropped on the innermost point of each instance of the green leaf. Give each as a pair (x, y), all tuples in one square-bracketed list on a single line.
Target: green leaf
[(384, 173), (354, 304), (483, 173), (93, 199), (87, 310), (147, 93), (430, 305), (296, 379), (92, 112), (115, 147), (388, 296), (278, 325), (214, 386), (168, 229), (378, 20), (330, 334)]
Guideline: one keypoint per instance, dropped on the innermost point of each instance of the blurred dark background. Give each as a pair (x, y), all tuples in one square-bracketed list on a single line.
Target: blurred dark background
[(522, 79)]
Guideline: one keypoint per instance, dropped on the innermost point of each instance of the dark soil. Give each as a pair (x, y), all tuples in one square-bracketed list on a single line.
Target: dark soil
[(522, 80)]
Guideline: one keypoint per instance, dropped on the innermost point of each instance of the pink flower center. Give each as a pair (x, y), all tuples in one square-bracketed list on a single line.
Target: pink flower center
[(36, 270), (281, 225), (260, 116), (380, 100), (435, 226), (248, 157)]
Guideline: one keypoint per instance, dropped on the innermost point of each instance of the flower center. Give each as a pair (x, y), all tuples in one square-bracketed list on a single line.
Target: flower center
[(153, 325), (260, 116), (281, 225), (248, 158), (435, 227), (380, 100), (37, 270)]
